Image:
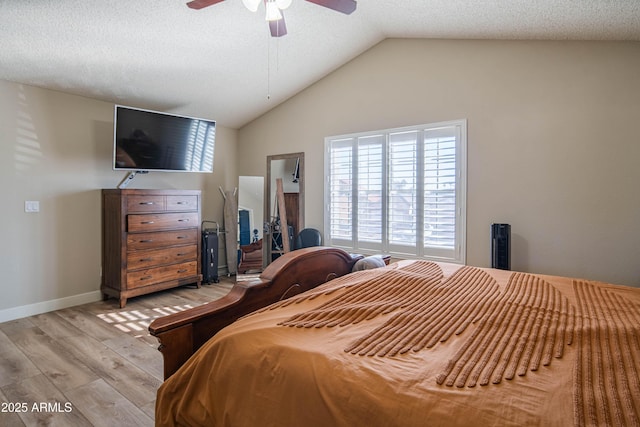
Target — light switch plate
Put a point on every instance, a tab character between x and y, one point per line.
31	206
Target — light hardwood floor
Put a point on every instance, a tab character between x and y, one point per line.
89	365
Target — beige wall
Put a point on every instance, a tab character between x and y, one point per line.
553	145
56	148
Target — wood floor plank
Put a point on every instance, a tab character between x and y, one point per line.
138	353
46	404
102	405
179	300
211	292
15	326
150	340
86	319
132	321
55	326
15	365
64	370
150	409
135	384
182	296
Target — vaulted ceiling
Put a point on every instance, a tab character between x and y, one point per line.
221	63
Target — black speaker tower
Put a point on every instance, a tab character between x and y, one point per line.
501	246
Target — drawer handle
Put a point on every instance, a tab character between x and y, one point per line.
181	237
181	203
146	278
147	222
146	241
146	203
182	254
183	220
145	259
184	270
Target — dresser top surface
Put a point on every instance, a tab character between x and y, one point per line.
138	191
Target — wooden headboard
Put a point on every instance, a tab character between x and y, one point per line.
181	334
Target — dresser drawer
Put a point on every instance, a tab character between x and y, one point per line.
182	203
154	257
156	222
145	203
150	276
161	239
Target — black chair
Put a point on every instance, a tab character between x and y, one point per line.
307	238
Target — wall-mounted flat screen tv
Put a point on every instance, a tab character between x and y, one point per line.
147	140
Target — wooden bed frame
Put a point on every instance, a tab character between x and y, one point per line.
181	334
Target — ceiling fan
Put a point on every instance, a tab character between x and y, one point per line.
274	9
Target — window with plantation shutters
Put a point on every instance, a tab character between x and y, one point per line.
398	191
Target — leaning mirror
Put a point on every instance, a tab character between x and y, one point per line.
289	168
250	224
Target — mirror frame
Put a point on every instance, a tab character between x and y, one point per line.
269	203
247	183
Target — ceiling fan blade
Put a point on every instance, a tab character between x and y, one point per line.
278	28
199	4
343	6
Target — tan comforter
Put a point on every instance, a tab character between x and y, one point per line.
420	343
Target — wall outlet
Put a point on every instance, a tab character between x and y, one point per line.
31	206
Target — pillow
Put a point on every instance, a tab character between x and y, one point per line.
368	263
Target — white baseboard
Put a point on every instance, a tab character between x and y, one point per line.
46	306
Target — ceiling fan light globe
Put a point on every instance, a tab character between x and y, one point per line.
273	12
252	5
283	4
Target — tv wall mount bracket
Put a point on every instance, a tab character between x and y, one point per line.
127	180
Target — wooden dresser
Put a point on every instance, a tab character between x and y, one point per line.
150	241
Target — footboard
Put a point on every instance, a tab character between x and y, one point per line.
181	334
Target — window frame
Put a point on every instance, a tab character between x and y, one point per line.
420	250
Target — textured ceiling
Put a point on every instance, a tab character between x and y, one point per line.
220	62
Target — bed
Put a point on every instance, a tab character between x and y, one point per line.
411	344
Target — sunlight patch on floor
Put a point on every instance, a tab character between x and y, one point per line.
136	322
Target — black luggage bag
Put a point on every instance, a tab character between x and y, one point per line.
210	253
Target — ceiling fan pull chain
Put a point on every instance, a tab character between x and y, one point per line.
268	68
